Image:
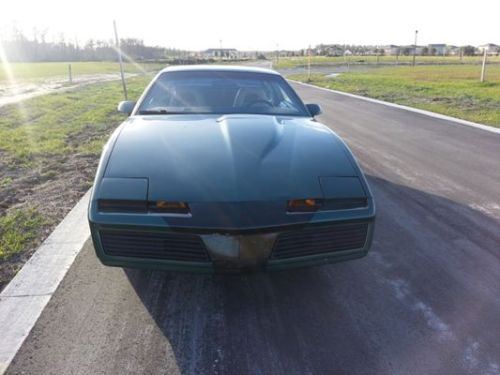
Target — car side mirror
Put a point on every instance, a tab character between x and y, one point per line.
126	107
314	109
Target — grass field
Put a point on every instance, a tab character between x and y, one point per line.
49	148
34	71
291	62
44	125
452	90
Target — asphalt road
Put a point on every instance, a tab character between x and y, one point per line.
425	301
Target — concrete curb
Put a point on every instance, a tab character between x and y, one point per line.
24	298
406	108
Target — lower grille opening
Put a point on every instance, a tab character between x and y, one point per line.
320	240
168	246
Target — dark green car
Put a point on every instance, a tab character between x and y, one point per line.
224	168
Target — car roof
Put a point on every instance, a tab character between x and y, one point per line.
218	68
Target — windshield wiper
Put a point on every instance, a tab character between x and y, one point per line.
157	112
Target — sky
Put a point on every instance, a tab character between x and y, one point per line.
258	24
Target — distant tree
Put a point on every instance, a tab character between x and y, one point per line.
406	51
425	51
433	51
469	50
20	48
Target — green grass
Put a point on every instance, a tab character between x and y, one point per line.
4	182
53	124
452	90
291	62
17	229
33	71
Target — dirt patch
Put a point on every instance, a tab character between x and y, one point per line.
51	187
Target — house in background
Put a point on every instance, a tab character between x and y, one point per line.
453	50
392	50
221	53
439	49
490	48
328	50
411	50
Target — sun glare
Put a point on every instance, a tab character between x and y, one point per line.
14	87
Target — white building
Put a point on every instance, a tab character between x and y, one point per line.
224	53
392	50
491	49
439	49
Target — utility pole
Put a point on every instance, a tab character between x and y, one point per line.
415	48
120	60
483	68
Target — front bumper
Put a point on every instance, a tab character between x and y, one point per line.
199	250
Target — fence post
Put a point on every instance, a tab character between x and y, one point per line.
483	68
70	74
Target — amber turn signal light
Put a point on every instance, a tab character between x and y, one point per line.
169	206
304	205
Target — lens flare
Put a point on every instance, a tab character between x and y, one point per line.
13	87
129	59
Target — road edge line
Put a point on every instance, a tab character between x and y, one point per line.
26	295
406	108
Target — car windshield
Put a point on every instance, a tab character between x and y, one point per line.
221	92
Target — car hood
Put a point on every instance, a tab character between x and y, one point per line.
229	158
